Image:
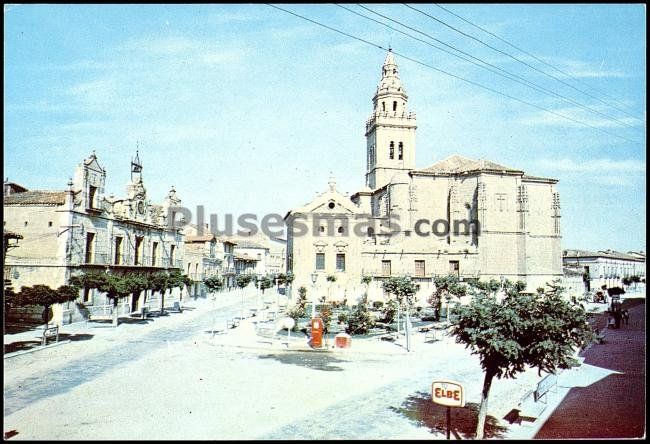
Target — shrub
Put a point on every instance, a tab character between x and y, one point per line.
360	320
377	305
389	312
343	318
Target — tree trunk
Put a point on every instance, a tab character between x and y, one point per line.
162	301
407	330
482	413
115	312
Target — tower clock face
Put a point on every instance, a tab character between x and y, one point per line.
141	207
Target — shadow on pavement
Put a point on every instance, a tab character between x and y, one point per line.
317	361
28	345
424	412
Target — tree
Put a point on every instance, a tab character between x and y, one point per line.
449	286
360	320
180	280
522	330
242	280
160	282
137	283
265	282
46	297
404	290
213	283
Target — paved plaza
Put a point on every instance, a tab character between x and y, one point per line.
174	379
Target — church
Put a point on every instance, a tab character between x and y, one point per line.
477	219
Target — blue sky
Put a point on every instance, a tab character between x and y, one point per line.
247	109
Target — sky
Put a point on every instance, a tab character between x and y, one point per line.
245	108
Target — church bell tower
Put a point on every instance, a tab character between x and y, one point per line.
390	130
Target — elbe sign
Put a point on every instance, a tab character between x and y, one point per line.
448	393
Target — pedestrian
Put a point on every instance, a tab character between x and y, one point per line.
626	317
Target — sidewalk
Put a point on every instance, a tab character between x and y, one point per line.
614	406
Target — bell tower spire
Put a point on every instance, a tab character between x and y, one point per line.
390	130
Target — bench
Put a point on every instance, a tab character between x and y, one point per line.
529	409
52	332
177	307
430	336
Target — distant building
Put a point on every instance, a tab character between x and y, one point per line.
251	257
606	267
207	255
82	229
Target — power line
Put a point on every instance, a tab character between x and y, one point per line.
511	56
541	61
508	75
450	74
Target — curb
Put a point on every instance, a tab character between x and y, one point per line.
31	350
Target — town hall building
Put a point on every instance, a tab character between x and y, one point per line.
474	218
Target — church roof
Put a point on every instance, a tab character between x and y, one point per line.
36	197
457	164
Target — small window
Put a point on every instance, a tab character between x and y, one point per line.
331	205
341	230
385	268
49	224
340	262
25	223
321	229
320	261
400	152
392	150
371	232
395	105
383	106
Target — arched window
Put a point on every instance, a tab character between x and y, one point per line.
383	106
392	150
395	105
340	230
400	151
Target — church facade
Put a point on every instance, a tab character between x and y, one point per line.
473	218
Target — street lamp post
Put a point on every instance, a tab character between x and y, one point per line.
314	278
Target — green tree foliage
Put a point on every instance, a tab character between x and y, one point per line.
265	282
389	311
522	330
45	296
366	280
360	320
242	280
214	283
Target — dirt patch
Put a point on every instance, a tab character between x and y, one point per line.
420	409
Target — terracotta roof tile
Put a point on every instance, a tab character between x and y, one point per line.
36	197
